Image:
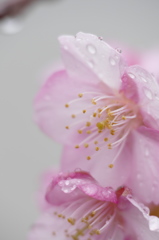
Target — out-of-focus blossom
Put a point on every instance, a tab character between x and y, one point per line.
81	209
103	110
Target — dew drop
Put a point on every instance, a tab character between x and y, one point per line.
91	49
91	63
119	50
112	61
143	79
10	26
67	186
131	75
148	93
89	189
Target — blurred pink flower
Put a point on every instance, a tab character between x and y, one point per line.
106	110
81	209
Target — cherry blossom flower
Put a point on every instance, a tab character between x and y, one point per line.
81	209
106	113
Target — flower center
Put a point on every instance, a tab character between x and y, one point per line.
91	218
107	122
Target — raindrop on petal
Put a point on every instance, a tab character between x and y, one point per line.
91	49
112	61
67	186
131	75
148	93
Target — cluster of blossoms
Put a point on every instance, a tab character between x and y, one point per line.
105	112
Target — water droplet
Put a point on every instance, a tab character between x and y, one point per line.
91	49
91	63
112	61
148	93
89	189
131	75
119	50
67	186
10	26
143	79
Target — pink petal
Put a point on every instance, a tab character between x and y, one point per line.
90	59
144	176
145	91
72	186
139	222
51	114
150	61
99	163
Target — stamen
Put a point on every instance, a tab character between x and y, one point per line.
67	127
84	111
80	95
88	158
80	131
66	105
86	145
73	116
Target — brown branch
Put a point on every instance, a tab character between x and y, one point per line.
13	7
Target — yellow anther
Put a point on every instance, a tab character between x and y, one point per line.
86	145
97	148
77	146
71	221
99	131
99	110
80	131
95	142
67	127
123	117
109	146
112	132
89	226
84	111
111	166
93	102
73	115
59	215
88	157
88	132
97	232
80	95
99	115
92	214
94	114
105	139
88	124
66	105
100	125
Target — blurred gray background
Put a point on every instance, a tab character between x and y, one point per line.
25	58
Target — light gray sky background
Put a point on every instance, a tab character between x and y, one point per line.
25	58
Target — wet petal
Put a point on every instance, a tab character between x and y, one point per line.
145	164
145	91
139	221
71	186
63	106
89	58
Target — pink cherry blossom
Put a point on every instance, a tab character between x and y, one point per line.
81	209
106	114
